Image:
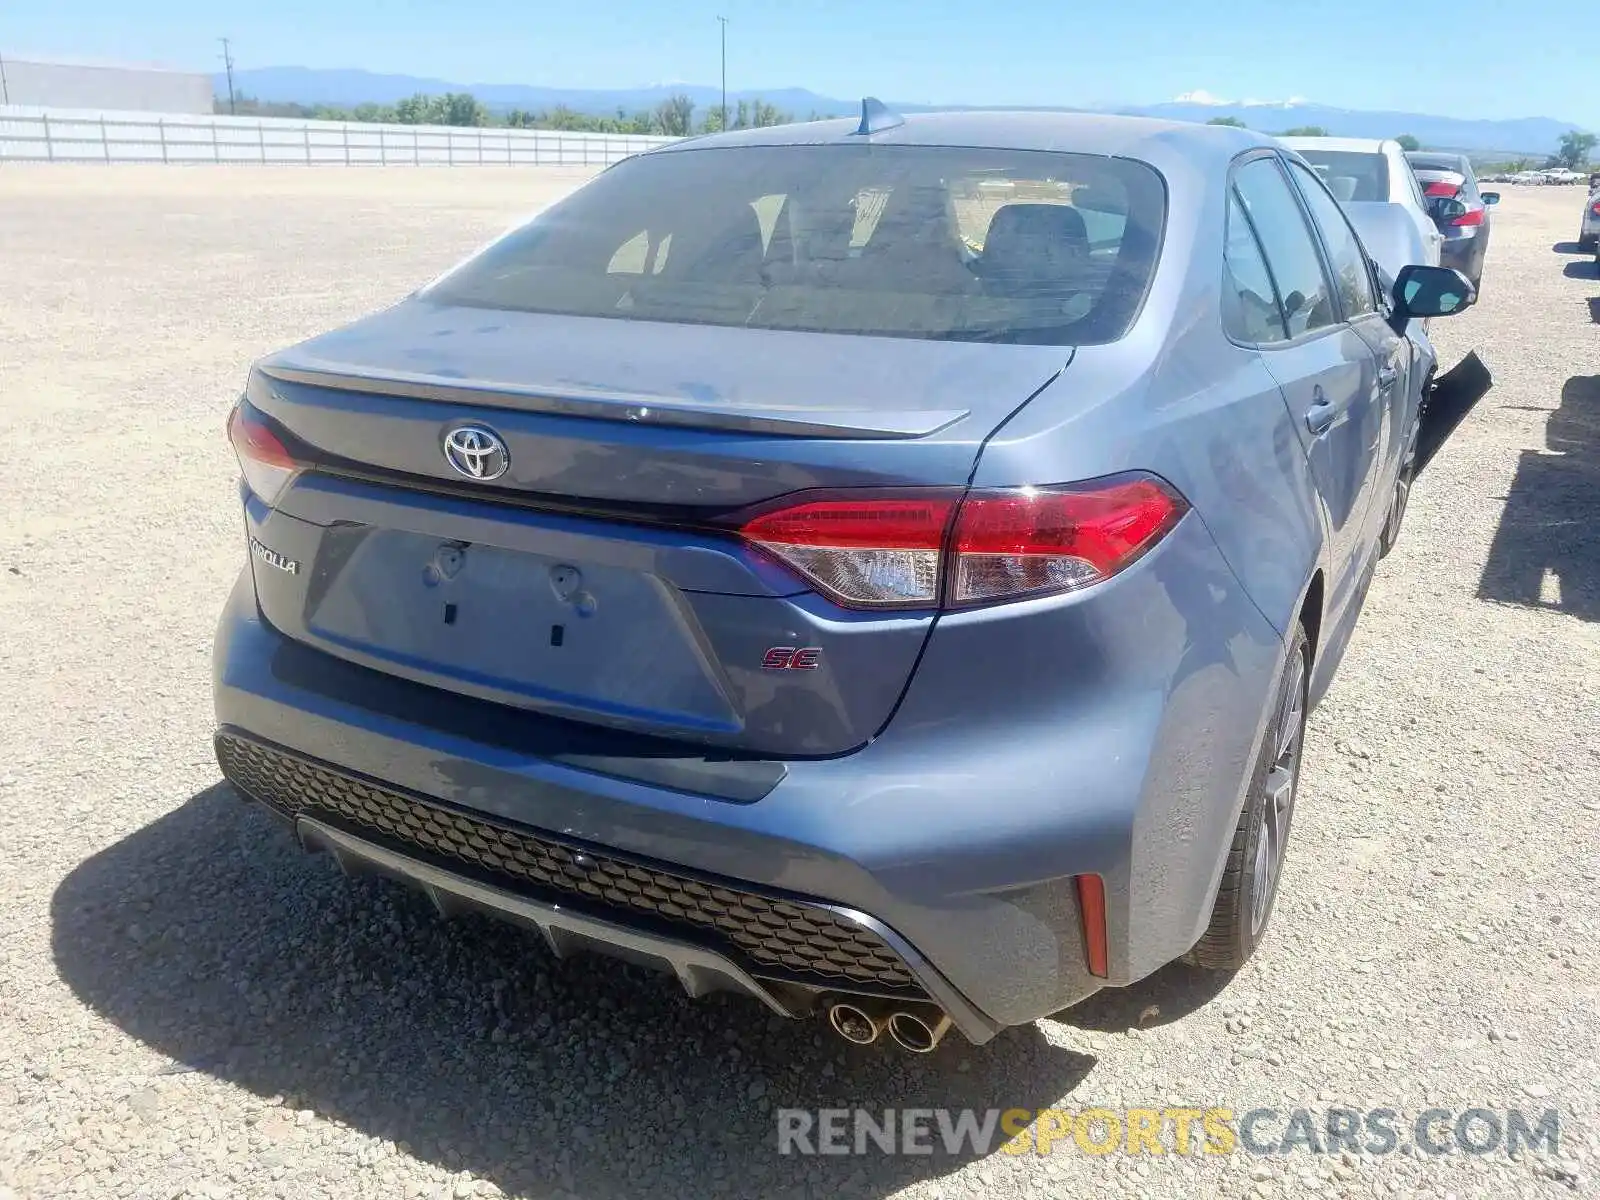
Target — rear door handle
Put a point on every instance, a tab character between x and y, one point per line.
1321	416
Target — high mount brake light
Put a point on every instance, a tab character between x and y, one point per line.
918	549
265	462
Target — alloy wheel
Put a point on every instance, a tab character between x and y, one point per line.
1277	808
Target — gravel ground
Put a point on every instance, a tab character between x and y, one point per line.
191	1007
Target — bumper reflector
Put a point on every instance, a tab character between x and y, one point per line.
1092	908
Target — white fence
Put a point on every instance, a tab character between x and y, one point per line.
77	135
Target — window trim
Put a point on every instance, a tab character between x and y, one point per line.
1343	322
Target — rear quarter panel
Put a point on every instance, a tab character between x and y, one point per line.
1176	397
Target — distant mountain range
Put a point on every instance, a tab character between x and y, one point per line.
347	88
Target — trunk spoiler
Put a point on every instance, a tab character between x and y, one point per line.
638	409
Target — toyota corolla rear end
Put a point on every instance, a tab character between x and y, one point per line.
641	580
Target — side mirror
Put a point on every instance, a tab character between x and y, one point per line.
1444	209
1491	197
1421	291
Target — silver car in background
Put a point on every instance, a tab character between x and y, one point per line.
1589	229
1363	172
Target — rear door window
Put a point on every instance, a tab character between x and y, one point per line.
1414	188
1351	274
1250	307
1292	256
951	243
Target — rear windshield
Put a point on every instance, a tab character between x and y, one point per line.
1351	174
1437	162
899	241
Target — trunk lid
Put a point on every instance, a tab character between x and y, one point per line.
584	581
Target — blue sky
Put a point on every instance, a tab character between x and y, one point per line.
1469	58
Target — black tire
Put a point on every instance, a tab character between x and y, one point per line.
1397	509
1586	241
1251	876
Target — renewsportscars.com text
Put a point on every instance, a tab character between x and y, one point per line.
1180	1131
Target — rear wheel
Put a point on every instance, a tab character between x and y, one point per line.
1255	859
1397	510
1586	241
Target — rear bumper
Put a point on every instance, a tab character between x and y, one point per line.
1465	254
699	970
1118	743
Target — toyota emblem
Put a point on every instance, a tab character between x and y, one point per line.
476	452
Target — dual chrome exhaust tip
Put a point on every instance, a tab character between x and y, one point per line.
915	1030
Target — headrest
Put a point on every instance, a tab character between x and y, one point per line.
1040	244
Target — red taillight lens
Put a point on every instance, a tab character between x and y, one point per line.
901	550
265	462
1441	189
1016	543
1595	208
868	553
1473	216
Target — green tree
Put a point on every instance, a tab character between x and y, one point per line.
413	110
461	108
1234	122
1407	142
1574	150
562	117
675	116
764	115
1305	131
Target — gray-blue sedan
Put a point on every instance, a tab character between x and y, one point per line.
883	567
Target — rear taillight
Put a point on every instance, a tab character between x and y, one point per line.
863	553
916	549
265	462
1595	208
1034	540
1441	189
1473	216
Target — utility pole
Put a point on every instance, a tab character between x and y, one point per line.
723	21
227	60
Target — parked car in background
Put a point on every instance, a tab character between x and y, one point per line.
1589	227
1527	179
1563	175
1367	171
794	561
1459	209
